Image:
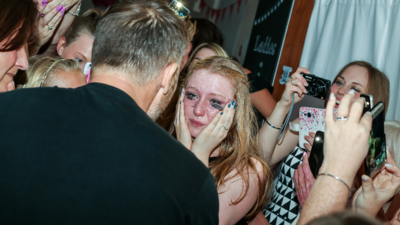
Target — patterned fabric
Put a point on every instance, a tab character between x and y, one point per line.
284	207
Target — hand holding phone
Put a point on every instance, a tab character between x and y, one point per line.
376	157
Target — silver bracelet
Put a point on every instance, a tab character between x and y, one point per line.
278	128
77	11
337	178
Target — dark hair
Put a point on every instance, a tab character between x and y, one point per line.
83	24
19	18
378	84
345	218
140	38
206	32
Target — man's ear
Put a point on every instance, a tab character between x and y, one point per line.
61	46
168	76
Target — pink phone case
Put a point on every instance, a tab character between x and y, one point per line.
311	120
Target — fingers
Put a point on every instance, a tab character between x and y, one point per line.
179	108
393	169
309	140
367	185
366	121
389	158
312	134
59	4
302	70
344	107
329	116
300	81
356	110
11	86
52	17
230	114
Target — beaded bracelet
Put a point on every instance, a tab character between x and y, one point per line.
278	128
337	178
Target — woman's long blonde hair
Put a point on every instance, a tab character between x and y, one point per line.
166	119
43	69
240	147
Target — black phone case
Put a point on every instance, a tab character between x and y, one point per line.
317	153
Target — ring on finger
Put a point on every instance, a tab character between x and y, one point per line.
50	28
292	82
339	118
225	128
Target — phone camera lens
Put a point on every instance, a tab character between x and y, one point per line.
309	115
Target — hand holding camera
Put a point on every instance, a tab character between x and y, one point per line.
295	84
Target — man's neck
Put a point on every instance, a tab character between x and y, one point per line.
143	96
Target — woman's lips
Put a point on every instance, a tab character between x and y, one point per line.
195	123
11	74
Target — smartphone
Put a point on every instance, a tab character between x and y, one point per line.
317	153
179	8
311	120
376	157
369	102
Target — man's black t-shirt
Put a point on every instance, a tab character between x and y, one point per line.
91	156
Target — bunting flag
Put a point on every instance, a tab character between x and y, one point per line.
202	5
238	7
231	9
208	11
215	13
223	13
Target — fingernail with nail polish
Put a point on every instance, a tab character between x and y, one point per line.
59	7
222	113
63	10
364	178
44	2
388	165
332	96
304	153
42	15
229	105
351	91
234	107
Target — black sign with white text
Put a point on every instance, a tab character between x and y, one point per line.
266	40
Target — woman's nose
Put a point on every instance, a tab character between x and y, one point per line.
22	60
200	108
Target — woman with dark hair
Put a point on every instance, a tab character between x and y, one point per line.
18	19
356	77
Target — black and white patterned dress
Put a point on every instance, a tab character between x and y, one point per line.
284	206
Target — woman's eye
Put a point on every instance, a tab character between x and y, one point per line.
191	96
216	104
339	82
355	89
79	60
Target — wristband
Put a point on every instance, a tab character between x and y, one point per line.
337	178
278	128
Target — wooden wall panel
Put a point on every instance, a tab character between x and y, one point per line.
294	41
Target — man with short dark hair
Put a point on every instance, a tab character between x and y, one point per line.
92	155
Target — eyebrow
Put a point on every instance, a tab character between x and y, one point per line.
82	55
352	82
215	94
